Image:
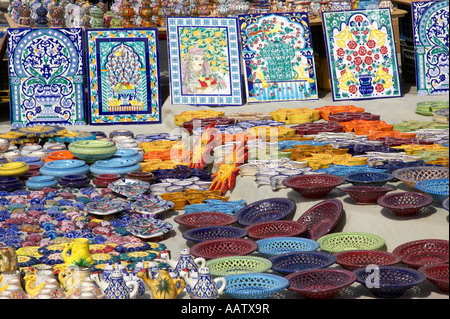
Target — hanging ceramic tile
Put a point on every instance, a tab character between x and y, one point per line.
278	56
123	76
361	54
46	76
204	61
430	25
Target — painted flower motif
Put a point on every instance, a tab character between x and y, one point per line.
353	89
340	52
349	58
376	56
359	18
379	87
352	45
371	44
383	50
368	60
358	61
362	50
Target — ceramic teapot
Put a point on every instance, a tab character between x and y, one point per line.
204	286
72	278
13	291
164	286
186	261
117	287
88	290
37	279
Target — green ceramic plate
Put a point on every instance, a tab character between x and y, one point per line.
337	242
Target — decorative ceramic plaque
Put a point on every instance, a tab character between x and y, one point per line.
204	61
46	76
431	46
278	57
361	54
123	76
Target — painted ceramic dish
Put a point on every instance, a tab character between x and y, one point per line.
41	181
152	205
92	150
120	166
106	207
149	227
64	167
129	187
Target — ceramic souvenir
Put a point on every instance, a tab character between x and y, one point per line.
164	286
59	168
106	207
37	280
120	166
79	253
204	286
116	287
72	278
8	259
185	261
8	276
40	182
148	227
151	206
92	150
129	187
13	290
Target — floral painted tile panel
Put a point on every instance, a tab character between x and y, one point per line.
204	61
46	76
361	54
278	57
123	76
431	46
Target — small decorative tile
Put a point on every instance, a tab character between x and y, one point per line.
204	61
46	76
123	76
361	54
431	46
278	57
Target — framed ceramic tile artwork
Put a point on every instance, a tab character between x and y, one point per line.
204	61
46	76
361	53
123	76
431	46
278	57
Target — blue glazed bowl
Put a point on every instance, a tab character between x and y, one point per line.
389	281
74	181
254	285
368	178
436	188
40	182
297	261
129	154
214	232
266	210
61	168
10	184
283	245
120	166
30	160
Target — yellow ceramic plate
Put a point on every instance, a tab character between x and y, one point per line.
29	251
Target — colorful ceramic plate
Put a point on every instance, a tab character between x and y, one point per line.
27	261
52	259
131	247
51	249
152	205
129	187
101	248
135	256
29	251
149	227
102	258
106	207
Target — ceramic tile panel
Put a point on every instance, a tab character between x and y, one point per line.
46	76
123	76
204	61
361	53
278	57
431	46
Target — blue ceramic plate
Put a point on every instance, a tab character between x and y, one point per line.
62	164
106	207
148	227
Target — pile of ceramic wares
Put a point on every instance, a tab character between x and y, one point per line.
86	215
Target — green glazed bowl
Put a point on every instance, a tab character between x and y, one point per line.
233	265
343	241
93	150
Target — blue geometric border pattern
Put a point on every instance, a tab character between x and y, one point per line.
234	97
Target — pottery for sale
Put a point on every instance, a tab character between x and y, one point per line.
40	182
93	150
204	286
106	207
61	168
13	169
74	181
129	187
151	205
79	253
185	261
120	166
149	227
103	180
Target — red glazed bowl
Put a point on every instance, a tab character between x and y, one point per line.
315	185
320	283
354	259
423	252
366	194
205	219
224	247
279	228
437	274
103	180
405	203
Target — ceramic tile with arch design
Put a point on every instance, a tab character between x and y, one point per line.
278	57
46	76
204	61
361	53
123	76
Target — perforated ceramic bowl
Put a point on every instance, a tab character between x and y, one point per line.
282	245
354	259
437	274
342	241
214	232
366	194
254	285
205	219
297	261
266	210
224	247
278	228
320	283
411	175
405	203
436	188
423	252
321	218
314	186
232	265
392	281
368	178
